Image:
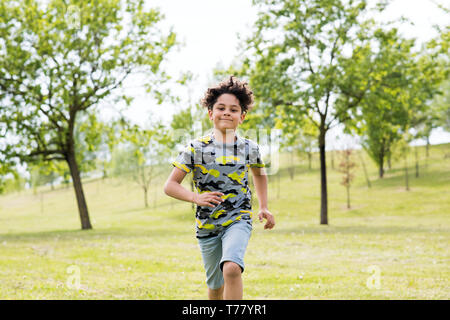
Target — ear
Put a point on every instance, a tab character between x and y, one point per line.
242	117
210	114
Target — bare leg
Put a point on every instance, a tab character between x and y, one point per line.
233	289
215	294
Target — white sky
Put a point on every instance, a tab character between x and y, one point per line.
209	28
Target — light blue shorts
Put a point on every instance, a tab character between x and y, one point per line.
229	245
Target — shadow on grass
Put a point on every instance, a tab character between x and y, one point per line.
93	234
372	230
153	234
427	178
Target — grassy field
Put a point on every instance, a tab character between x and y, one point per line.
138	253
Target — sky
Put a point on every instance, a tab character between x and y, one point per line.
209	32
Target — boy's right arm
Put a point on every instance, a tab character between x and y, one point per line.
173	188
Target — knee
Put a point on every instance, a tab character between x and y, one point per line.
231	270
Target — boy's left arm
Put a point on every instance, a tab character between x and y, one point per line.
260	181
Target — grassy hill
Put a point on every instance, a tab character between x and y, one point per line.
151	253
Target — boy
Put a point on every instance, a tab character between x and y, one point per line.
220	163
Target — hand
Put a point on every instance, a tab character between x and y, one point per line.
264	213
208	198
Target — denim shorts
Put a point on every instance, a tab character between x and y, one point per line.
229	245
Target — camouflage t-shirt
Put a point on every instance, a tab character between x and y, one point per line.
222	167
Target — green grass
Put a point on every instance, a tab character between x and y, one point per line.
138	253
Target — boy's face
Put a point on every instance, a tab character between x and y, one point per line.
226	113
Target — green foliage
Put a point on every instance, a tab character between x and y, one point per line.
186	123
79	63
403	84
13	184
310	59
141	154
10	180
95	140
58	59
3	171
42	173
441	107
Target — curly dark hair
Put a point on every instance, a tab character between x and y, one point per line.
232	86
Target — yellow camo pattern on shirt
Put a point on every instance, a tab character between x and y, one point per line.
220	167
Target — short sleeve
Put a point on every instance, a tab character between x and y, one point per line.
255	158
185	159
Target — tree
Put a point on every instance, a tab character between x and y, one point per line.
381	116
364	169
10	180
145	149
87	135
59	60
307	140
399	100
312	58
42	174
435	68
187	122
427	99
299	138
4	170
346	166
404	149
96	140
442	106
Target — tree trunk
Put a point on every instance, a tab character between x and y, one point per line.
323	179
365	170
291	168
406	174
332	159
381	165
155	198
389	161
417	162
291	171
348	196
309	160
145	197
81	200
42	203
427	149
381	158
